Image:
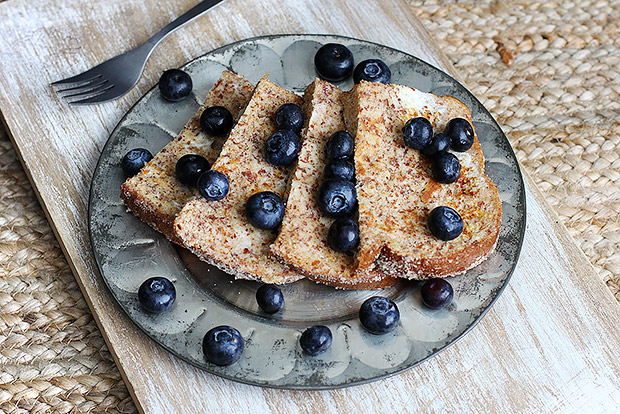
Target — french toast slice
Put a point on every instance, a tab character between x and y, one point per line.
396	191
218	231
155	195
302	242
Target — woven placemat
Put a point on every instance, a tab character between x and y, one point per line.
548	72
52	356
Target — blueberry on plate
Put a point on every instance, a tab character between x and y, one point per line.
342	168
372	70
316	339
437	293
343	235
417	133
461	134
337	197
445	223
134	160
334	62
439	144
216	120
379	315
265	210
270	298
446	168
223	345
156	294
213	185
289	116
190	167
175	84
282	147
340	145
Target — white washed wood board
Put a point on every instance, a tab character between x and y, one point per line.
549	344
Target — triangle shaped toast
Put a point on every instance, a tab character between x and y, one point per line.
155	195
302	242
396	191
218	231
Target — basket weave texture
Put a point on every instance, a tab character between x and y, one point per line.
549	72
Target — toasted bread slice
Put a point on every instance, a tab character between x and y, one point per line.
218	231
154	194
396	191
302	242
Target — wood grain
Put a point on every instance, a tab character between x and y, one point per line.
546	346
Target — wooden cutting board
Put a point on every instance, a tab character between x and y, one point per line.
549	344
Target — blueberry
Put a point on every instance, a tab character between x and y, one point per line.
316	339
439	144
270	298
265	210
446	168
334	62
223	345
175	85
372	70
340	168
156	294
337	197
437	293
289	116
445	223
379	315
213	185
190	167
216	120
461	134
282	147
417	133
340	145
343	235
134	160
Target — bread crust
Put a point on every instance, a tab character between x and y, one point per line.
302	242
155	195
218	231
396	191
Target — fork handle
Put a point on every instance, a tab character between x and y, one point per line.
195	11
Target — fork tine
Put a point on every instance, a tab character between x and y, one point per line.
90	95
90	89
108	94
89	75
88	85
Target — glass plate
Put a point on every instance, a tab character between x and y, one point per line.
128	251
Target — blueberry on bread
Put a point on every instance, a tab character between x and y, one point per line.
134	160
190	167
216	120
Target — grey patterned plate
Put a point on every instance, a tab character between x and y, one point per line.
128	251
